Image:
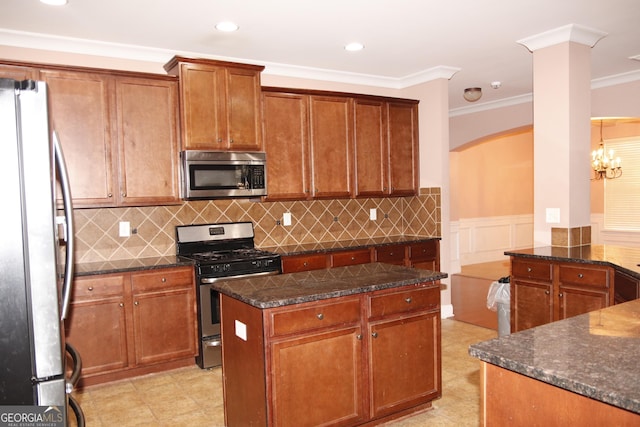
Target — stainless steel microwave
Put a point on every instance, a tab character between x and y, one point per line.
219	174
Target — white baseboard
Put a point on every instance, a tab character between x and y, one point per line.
446	311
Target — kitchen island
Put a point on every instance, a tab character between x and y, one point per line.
579	371
351	345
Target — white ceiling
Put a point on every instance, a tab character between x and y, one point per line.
405	40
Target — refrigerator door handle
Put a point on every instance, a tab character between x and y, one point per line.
68	212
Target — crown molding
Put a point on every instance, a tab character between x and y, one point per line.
568	33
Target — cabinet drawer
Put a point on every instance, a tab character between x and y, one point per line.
340	259
160	279
584	276
405	301
317	316
295	263
532	269
391	254
98	286
421	251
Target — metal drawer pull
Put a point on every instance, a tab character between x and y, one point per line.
359	337
547	292
560	295
320	316
580	276
164	279
374	334
528	269
90	288
408	300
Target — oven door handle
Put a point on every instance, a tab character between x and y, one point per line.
209	280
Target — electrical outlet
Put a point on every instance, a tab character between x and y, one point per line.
125	229
373	214
286	218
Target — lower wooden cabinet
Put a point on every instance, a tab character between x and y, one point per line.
424	255
336	362
543	291
626	287
122	324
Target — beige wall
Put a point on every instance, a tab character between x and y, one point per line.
493	177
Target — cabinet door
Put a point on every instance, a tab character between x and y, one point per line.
317	379
331	146
147	141
80	114
404	368
425	255
403	139
626	287
164	315
354	257
531	304
96	325
286	142
582	288
202	107
371	156
575	301
391	254
244	117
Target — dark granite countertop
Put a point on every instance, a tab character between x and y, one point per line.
295	288
593	354
622	258
126	265
310	248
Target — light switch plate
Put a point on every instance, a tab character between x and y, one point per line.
373	214
125	229
286	218
241	330
553	215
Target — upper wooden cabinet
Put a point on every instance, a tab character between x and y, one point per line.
286	142
331	139
119	135
332	145
403	148
219	104
18	72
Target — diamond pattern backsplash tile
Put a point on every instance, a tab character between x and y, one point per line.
153	228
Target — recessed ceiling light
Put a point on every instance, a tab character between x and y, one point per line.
354	47
54	2
226	26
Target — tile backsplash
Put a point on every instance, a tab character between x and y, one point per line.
153	228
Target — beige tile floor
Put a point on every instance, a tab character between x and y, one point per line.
193	397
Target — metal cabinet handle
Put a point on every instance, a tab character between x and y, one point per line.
547	292
164	279
320	316
110	195
231	141
580	276
528	269
90	288
219	139
121	304
560	295
374	334
305	263
359	337
408	300
136	303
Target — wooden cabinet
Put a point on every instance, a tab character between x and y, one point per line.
332	145
123	324
626	287
404	354
18	72
403	148
340	361
371	148
286	142
331	138
424	255
543	291
119	136
219	104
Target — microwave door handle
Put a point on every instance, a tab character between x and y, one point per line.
68	213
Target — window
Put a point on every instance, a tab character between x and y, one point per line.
622	195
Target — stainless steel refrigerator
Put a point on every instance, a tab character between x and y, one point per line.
35	276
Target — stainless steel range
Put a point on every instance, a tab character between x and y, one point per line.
220	251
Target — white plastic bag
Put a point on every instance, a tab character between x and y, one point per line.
499	293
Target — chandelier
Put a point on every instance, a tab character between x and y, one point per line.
603	163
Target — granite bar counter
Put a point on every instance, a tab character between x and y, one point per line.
286	289
594	355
